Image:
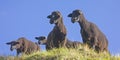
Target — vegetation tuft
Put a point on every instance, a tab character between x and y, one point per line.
81	53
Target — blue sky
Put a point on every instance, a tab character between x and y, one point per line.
27	18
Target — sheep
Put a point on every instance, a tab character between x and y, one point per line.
57	37
22	45
42	40
90	33
73	44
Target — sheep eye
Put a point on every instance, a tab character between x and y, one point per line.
13	44
53	16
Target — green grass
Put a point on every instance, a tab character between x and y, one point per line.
82	53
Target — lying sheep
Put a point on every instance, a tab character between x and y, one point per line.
22	45
69	44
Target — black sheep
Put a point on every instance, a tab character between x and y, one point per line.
57	37
90	33
22	45
69	44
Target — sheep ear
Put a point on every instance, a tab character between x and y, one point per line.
8	43
42	37
49	16
80	12
36	38
70	15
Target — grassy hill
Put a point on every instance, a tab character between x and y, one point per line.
81	53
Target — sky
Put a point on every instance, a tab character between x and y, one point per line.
27	18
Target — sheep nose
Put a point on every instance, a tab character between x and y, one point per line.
51	21
11	49
72	21
39	42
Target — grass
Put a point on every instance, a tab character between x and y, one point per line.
81	53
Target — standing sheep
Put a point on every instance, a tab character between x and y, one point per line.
22	45
90	33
